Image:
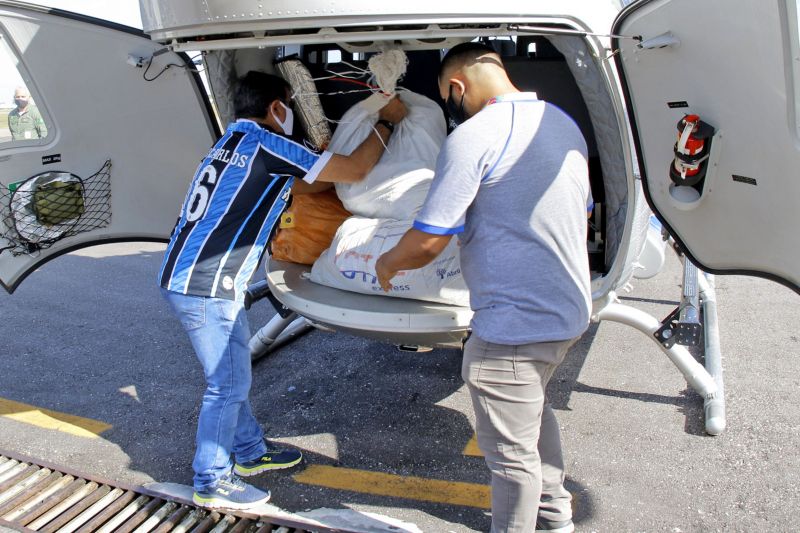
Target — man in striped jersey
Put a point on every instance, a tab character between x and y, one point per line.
235	199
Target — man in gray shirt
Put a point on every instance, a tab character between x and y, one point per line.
512	182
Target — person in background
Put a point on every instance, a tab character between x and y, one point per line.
25	121
512	182
234	201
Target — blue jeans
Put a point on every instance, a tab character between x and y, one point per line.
220	334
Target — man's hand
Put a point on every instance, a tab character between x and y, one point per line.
354	167
394	111
415	250
385	272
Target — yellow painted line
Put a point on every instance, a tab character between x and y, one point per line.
45	418
409	487
471	448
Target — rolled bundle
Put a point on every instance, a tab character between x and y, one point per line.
308	108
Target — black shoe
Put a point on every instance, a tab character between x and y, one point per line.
274	459
548	526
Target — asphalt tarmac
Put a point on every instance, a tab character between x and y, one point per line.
89	335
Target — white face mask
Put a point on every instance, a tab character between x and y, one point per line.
286	125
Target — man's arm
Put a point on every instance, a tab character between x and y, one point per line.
41	128
38	123
415	250
301	187
354	167
454	187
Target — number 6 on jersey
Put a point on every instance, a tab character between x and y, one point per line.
198	200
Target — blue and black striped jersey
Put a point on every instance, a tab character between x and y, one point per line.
236	197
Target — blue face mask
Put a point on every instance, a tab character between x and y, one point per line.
457	113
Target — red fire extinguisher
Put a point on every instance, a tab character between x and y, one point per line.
691	151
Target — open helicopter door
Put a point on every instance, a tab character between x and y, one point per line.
119	150
725	180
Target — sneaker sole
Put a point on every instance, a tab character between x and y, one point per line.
213	503
243	472
564	529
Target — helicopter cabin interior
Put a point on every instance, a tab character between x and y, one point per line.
534	63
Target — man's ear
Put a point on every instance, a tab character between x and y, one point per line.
276	109
458	85
448	87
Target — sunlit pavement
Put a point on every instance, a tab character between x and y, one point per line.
99	376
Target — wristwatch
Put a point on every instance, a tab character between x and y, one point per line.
389	126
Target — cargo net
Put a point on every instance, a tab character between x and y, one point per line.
48	207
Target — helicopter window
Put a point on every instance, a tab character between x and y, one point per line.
22	119
333	56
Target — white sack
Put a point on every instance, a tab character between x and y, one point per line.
349	264
396	187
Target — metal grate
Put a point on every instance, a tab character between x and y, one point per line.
35	497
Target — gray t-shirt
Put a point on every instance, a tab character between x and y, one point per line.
513	182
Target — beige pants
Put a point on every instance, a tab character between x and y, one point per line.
517	432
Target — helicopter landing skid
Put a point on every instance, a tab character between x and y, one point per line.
706	380
276	333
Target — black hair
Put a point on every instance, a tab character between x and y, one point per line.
463	53
256	91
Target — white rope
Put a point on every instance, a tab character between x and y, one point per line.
352	66
347	74
365	90
374	129
381	139
387	68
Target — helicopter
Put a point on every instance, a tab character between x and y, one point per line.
692	131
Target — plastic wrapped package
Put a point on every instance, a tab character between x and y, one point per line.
307	227
309	108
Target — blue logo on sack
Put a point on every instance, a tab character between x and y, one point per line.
444	273
366	277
